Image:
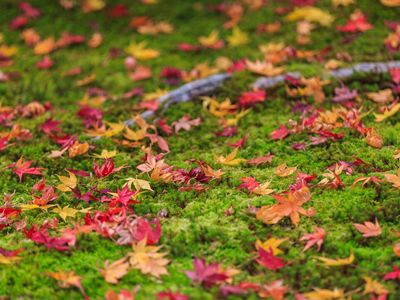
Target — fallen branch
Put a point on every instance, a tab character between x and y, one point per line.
209	85
343	73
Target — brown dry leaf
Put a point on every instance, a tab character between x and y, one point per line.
96	40
67	279
283	170
230	159
148	260
114	271
374	139
369	229
330	262
67	183
45	46
383	96
393	179
86	80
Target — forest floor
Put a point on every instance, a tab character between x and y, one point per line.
93	76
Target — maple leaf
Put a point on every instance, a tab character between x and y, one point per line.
337	262
394	275
280	133
393	179
369	229
106	168
105	154
261	159
391	3
9	257
337	3
382	96
315	238
207	275
287	206
66	211
230	159
324	294
276	290
311	14
283	170
250	99
263	68
147	259
255	187
358	22
67	279
237	38
139	184
185	123
22	167
211	41
374	287
45	46
269	260
388	112
168	295
67	183
114	271
271	244
210	172
140	52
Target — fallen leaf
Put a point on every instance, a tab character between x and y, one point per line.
369	229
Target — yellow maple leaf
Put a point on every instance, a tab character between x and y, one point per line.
391	3
67	183
324	294
210	40
230	159
67	211
139	184
86	80
26	207
105	154
114	129
330	262
238	38
270	244
387	113
139	51
311	14
9	260
8	51
374	287
134	135
147	259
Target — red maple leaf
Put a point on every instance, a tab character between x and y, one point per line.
280	133
261	159
22	167
269	260
250	99
395	274
40	235
207	275
106	168
358	22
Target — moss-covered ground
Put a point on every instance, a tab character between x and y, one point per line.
196	224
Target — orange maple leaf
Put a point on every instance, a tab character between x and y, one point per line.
290	206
